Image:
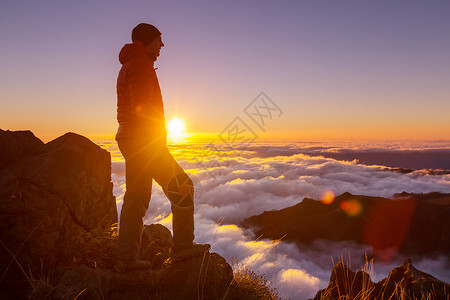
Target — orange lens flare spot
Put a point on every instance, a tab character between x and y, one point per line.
327	197
352	207
387	227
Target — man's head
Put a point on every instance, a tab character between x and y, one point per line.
150	36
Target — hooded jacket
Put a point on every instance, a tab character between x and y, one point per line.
140	110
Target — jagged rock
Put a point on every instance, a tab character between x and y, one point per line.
415	283
344	281
412	224
51	193
403	282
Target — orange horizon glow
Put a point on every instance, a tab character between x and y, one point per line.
47	137
49	133
379	86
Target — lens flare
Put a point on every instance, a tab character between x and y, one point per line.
352	207
387	227
327	197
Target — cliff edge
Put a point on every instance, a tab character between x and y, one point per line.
58	230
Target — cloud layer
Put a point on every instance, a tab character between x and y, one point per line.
234	185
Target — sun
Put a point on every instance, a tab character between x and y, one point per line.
176	129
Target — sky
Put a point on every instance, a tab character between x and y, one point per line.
236	185
335	69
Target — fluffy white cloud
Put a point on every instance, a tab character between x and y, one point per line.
232	186
293	282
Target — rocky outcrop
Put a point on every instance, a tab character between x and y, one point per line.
403	282
51	194
206	277
410	223
58	230
197	278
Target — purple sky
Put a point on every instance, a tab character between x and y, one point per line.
337	69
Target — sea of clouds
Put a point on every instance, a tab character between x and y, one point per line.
234	184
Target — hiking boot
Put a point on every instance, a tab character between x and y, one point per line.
132	265
193	251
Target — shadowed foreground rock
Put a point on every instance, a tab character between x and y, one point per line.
403	282
58	235
205	277
51	194
198	278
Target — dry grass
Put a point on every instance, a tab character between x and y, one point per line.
42	283
249	285
97	248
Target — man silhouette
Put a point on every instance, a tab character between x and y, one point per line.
141	138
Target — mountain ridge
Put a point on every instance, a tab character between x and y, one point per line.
408	223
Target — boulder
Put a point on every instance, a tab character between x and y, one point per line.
204	277
51	194
156	243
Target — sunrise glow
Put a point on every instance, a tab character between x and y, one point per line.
176	129
297	139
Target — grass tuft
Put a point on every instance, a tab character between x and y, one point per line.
97	248
249	285
42	283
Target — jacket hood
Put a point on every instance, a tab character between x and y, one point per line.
133	51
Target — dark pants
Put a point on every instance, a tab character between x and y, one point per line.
145	161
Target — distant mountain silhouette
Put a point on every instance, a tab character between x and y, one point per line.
409	223
404	159
408	159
